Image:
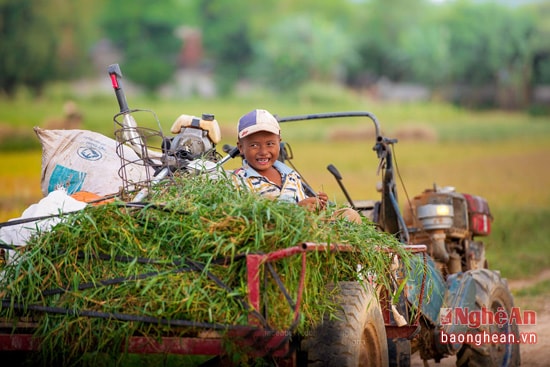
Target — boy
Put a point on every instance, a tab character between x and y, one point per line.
259	139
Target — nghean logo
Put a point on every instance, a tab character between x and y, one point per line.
476	318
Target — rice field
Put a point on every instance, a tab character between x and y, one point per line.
502	156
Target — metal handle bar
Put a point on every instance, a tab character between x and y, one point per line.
316	116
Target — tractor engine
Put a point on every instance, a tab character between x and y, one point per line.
447	222
196	138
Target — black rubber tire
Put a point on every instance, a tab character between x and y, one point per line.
492	292
356	337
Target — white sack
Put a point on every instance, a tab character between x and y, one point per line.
55	203
82	160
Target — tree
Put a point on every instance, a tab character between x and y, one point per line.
145	32
379	37
491	52
226	34
26	45
487	40
301	48
41	41
426	54
539	43
237	34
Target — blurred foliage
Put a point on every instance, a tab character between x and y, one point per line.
302	48
488	42
227	38
283	44
145	31
26	37
379	35
43	41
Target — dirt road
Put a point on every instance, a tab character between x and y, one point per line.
532	355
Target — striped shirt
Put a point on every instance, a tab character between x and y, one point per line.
292	189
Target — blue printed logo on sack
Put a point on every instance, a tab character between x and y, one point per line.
89	153
68	178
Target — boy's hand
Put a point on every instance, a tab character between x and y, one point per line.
322	199
315	203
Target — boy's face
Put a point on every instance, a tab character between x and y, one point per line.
260	149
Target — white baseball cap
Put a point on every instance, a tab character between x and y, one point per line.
258	120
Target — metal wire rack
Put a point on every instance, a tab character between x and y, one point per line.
140	152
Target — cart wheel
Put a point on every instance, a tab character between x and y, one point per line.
356	337
492	292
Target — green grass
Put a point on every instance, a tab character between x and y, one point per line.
519	243
500	155
104	360
536	290
199	220
534	297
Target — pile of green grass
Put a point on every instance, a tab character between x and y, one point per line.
174	266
